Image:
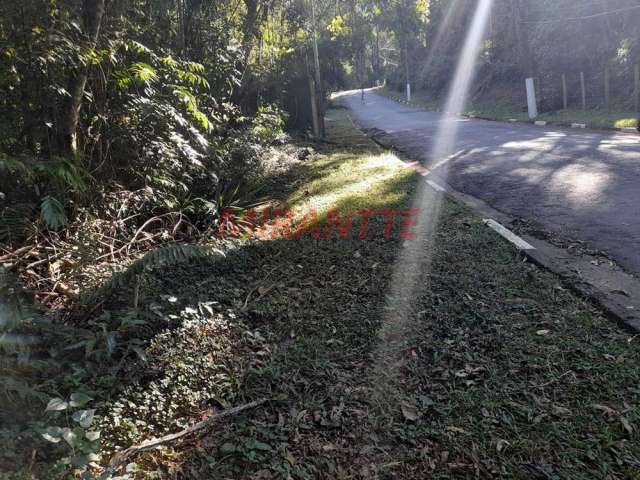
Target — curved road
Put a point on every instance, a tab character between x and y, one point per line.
579	184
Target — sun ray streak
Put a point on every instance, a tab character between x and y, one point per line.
414	261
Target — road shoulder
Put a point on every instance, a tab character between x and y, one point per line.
599	279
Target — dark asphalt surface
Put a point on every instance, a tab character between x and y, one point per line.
578	184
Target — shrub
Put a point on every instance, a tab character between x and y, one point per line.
268	124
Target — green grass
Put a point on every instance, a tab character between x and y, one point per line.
494	369
504	111
593	118
498	370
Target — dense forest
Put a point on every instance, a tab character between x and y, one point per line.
526	38
136	134
80	80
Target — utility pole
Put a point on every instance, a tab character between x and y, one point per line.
316	61
377	55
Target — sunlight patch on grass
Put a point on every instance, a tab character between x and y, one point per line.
626	122
504	371
356	182
592	118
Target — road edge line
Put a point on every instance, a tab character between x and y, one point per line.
519	242
435	186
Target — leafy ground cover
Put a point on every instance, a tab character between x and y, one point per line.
488	368
505	111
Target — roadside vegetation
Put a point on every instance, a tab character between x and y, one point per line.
178	260
507	111
574	51
498	371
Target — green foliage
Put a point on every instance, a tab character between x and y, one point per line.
52	213
163	257
64	174
14	223
236	207
163	123
196	208
522	40
82	442
268	124
61	176
237	196
197	363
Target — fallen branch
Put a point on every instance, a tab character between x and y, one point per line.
43	260
15	253
119	459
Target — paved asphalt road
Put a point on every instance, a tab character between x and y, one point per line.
579	184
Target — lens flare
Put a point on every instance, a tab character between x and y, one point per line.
415	258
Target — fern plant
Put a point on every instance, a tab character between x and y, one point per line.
14	223
62	173
164	257
52	213
56	175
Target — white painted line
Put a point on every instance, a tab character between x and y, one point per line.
435	186
513	120
540	123
446	160
508	234
578	125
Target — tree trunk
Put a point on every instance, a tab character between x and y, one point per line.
316	67
92	13
249	30
249	26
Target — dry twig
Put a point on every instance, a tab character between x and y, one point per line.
121	458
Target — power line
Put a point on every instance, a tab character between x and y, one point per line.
587	17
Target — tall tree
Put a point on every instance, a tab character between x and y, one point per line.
92	15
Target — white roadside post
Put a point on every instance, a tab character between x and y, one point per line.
531	99
408	92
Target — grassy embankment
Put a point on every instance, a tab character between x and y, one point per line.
501	370
504	112
497	371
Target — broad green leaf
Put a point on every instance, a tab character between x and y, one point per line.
52	434
92	436
69	436
79	461
56	405
257	445
79	400
143	72
84	417
227	448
